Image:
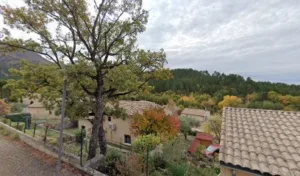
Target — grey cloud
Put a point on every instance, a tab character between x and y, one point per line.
248	37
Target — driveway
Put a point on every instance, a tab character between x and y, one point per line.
19	159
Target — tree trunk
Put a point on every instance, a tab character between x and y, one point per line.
98	121
102	140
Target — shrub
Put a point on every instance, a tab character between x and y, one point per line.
6	133
6	121
16	107
52	141
16	136
158	161
131	165
192	133
112	157
21	127
177	169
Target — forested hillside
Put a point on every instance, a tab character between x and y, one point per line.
12	60
186	81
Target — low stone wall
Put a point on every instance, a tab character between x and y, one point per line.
51	150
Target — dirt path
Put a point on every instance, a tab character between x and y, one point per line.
18	159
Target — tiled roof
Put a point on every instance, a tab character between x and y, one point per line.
132	107
264	141
197	112
203	136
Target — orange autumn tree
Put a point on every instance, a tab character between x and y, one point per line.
4	108
155	121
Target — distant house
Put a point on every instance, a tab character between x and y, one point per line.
197	114
201	139
260	142
118	129
38	110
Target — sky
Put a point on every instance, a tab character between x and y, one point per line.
259	39
254	38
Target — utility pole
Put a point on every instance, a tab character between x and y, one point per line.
63	107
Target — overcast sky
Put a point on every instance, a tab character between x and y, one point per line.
255	38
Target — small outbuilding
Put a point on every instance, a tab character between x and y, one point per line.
201	139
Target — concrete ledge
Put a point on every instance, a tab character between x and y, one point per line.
51	150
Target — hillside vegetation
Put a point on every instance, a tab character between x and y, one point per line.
186	81
12	60
200	89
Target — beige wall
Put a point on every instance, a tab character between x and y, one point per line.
228	172
40	113
114	136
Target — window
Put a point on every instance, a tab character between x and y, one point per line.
127	139
109	119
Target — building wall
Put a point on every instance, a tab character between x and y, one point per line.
228	172
122	128
200	118
40	113
113	136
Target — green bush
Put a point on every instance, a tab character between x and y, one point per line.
177	169
6	121
16	107
112	157
159	161
192	133
6	133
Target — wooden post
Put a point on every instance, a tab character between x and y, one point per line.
81	144
24	128
46	131
34	128
17	125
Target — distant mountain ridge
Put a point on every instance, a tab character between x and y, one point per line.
12	60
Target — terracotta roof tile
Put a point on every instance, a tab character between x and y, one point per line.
261	140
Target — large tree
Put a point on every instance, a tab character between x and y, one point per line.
97	38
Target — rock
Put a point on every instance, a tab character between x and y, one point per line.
96	162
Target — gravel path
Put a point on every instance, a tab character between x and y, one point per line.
18	159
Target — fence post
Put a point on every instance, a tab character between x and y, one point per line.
81	144
34	128
24	128
18	126
46	131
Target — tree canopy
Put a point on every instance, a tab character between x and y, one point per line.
155	121
94	45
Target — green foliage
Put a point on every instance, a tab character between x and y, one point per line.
112	157
146	142
78	136
217	84
177	169
16	107
185	126
6	121
158	161
213	126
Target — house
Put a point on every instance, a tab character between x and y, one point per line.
201	139
259	142
118	129
197	114
38	110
